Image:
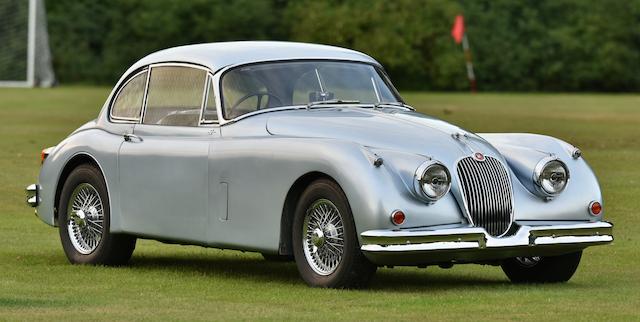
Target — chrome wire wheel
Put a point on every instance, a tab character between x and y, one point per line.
528	261
323	237
85	214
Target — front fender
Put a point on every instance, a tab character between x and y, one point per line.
373	192
94	143
523	151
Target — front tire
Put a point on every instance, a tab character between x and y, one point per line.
551	269
325	244
84	221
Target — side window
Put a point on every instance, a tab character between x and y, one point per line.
129	101
175	96
210	113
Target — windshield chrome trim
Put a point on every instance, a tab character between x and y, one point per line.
221	72
305	107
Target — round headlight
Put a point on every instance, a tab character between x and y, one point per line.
432	180
551	176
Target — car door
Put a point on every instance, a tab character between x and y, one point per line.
163	164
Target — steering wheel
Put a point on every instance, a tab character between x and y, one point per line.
259	95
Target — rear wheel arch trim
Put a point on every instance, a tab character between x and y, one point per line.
77	159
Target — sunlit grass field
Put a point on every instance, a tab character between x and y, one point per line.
195	283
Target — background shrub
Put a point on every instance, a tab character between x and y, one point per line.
547	45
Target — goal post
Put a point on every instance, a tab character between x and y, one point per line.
25	57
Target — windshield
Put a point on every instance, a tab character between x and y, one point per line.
262	86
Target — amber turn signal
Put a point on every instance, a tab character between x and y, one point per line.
43	155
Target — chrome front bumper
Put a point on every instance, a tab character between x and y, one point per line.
472	244
33	195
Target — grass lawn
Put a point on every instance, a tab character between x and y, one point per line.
194	283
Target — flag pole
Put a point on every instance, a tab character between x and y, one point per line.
467	57
460	36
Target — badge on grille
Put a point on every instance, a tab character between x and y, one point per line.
478	156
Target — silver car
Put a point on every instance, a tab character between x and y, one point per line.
307	152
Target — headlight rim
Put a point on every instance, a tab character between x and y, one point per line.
419	174
537	172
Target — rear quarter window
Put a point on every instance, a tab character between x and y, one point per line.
128	103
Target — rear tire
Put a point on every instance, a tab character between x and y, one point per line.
552	269
84	221
325	243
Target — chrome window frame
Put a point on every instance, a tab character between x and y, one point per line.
210	77
118	119
209	84
221	72
204	92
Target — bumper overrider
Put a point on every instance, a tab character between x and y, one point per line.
33	195
473	244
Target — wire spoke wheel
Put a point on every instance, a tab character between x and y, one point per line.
85	214
323	237
528	261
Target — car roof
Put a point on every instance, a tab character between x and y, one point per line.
219	55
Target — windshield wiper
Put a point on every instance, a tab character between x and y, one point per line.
332	102
394	104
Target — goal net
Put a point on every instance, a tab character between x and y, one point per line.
25	58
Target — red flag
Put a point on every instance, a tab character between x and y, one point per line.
457	32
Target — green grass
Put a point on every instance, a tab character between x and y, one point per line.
194	283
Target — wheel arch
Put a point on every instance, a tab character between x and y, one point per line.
73	162
288	210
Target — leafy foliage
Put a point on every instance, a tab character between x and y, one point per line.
13	47
549	45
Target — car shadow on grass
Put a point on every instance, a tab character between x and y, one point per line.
247	268
256	269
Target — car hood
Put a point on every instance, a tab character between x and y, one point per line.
388	128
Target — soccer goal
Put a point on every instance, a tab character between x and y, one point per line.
25	57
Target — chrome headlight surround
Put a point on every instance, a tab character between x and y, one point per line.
544	176
432	181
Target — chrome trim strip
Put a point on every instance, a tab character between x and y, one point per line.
210	82
205	94
421	247
178	64
572	240
143	110
479	239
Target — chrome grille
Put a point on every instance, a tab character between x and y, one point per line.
486	189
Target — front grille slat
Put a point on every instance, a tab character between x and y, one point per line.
496	194
486	189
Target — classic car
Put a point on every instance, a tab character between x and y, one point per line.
307	152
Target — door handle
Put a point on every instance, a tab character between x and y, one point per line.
132	138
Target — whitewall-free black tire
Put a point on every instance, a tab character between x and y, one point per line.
84	219
325	243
